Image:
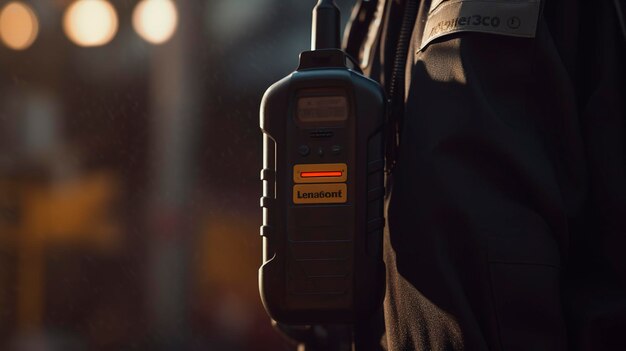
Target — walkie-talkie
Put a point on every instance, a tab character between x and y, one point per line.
323	174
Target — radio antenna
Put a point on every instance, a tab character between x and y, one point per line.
325	29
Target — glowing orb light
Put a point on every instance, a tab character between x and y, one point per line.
90	22
18	25
155	20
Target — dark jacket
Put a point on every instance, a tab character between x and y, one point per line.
506	220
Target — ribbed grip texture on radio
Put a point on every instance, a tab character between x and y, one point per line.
375	195
268	177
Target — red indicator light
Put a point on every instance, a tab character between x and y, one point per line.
321	174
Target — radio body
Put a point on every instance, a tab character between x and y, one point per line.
323	191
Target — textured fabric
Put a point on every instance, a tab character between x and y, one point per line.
509	195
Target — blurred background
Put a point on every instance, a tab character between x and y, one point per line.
129	164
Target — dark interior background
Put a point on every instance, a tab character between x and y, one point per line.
129	178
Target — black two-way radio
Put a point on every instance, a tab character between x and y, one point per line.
323	186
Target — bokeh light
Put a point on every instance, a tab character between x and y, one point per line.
90	22
155	20
18	25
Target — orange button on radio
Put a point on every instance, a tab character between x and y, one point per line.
320	173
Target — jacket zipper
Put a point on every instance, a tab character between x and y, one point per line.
396	87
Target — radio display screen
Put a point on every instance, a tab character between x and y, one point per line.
322	108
